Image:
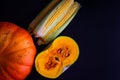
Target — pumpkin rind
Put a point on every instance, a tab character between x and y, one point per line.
62	53
17	52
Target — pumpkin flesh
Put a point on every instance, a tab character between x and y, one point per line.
17	52
62	53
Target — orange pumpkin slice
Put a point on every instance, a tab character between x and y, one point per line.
62	53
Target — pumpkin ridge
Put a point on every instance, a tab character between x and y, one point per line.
17	71
14	35
8	33
11	39
31	45
20	57
20	49
24	64
4	71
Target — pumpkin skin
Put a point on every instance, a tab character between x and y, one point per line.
55	59
17	52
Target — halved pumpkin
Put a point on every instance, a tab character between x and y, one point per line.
62	53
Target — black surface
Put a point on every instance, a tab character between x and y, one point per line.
96	28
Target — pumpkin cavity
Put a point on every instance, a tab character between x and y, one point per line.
64	52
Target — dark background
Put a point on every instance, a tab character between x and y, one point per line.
96	29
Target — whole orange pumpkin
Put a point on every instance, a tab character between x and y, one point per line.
17	52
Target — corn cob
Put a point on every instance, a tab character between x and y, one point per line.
64	22
54	22
42	14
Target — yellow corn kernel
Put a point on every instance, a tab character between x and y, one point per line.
54	17
75	7
42	14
